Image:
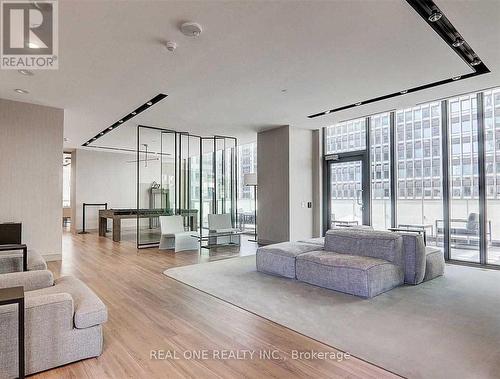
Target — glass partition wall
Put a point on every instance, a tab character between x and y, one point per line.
433	167
182	174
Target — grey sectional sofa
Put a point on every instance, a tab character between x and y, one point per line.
356	261
280	259
63	322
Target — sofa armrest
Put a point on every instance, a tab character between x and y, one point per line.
30	280
89	310
50	312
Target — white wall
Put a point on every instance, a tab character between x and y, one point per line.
102	177
273	183
301	183
31	148
287	178
110	177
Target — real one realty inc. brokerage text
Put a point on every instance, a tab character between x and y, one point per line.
247	354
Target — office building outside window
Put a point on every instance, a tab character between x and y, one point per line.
346	136
418	144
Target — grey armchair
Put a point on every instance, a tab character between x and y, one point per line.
63	322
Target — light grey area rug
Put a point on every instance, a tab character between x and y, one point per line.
446	328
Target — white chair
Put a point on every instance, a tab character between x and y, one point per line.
221	223
173	235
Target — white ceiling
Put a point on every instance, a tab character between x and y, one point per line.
229	80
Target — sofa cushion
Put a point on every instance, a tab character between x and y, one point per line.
89	309
352	274
434	263
368	243
279	258
414	257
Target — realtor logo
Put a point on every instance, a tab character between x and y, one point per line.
29	34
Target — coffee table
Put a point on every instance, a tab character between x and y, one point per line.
206	238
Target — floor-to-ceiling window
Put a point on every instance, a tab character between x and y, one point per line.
491	102
380	159
455	220
463	178
419	179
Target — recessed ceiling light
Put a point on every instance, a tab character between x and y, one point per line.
93	139
191	29
149	103
475	62
101	133
435	16
456	77
21	91
134	113
459	41
328	111
404	91
26	72
358	104
110	128
121	121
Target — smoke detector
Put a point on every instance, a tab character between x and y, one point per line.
191	29
171	45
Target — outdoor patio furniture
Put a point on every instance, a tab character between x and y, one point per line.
466	230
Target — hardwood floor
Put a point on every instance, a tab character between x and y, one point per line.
149	311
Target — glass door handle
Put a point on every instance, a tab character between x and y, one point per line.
358	197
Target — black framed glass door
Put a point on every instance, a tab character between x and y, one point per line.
348	187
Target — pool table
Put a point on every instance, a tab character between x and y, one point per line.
118	214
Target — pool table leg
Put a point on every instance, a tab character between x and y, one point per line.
117	229
103	224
